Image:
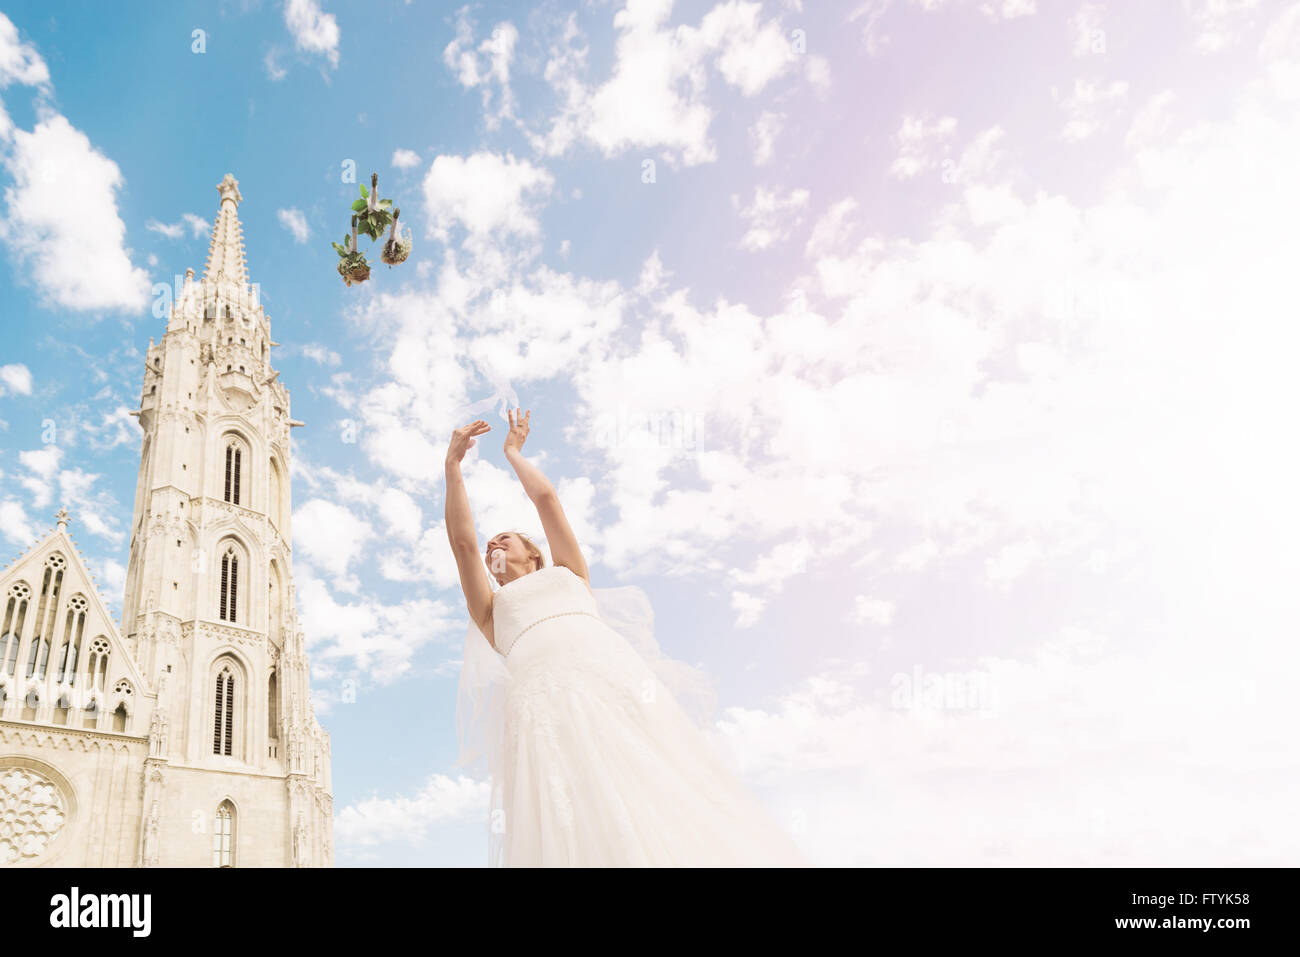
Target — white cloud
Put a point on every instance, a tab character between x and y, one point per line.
871	12
1279	51
329	535
62	224
485	193
15	525
1219	23
486	66
170	230
273	68
1089	107
19	62
43	461
655	95
1125	772
16	378
441	800
294	221
878	611
318	353
750	54
763	135
378	640
748	608
313	30
116	427
198	226
114	576
1008	9
772	217
833	229
918	141
405	159
1089	38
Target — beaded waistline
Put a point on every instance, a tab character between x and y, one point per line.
558	614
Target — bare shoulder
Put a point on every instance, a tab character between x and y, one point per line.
586	580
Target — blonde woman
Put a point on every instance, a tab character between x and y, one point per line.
592	760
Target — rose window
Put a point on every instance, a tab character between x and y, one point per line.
32	812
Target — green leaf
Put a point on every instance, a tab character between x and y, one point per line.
358	206
364	192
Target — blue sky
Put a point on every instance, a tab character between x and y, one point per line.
930	280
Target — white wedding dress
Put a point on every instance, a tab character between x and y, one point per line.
592	760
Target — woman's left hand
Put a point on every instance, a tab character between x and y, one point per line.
518	430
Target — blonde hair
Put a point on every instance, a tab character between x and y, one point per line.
533	550
539	560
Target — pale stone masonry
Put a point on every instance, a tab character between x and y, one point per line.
186	736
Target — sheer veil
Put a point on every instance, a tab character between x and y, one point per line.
480	693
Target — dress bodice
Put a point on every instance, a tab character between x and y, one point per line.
536	597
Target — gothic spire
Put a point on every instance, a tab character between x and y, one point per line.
226	251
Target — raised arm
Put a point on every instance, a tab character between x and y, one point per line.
564	545
460	530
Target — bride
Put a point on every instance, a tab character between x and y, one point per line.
592	760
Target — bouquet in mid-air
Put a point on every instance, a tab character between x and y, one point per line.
371	216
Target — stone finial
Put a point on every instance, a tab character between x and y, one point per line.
229	189
226	249
61	519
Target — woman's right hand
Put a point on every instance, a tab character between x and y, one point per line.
462	440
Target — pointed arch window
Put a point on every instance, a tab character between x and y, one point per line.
11	629
234	462
97	672
73	628
223	724
46	610
223	836
272	716
229	599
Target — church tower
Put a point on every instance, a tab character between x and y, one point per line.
233	767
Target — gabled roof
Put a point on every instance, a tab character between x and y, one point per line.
76	578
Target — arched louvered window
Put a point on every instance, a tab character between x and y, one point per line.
234	460
11	629
229	598
223	836
272	715
74	626
46	610
223	722
97	670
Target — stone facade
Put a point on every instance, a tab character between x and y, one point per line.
185	736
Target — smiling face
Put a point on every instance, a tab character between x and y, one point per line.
510	555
